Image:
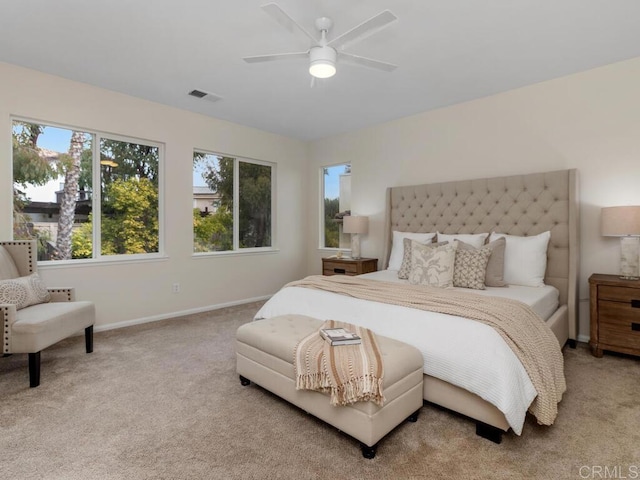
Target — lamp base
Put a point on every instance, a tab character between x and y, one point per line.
355	246
629	261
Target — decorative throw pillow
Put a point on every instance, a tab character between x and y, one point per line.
475	239
432	265
405	267
8	267
525	258
24	291
397	246
494	274
470	267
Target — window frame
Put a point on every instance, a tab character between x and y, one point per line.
236	250
96	195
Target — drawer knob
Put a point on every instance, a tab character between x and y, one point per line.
635	327
635	303
339	270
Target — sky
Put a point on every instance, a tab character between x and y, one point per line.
332	181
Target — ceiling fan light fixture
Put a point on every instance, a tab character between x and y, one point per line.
322	62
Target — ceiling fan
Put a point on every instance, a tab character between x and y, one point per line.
324	53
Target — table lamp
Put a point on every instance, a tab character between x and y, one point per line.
624	222
355	225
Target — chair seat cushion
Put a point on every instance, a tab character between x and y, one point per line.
39	326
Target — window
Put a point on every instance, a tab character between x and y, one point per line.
83	194
233	203
335	203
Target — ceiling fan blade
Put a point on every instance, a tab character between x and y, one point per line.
366	62
280	16
277	56
366	28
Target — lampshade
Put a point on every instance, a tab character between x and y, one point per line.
355	224
620	221
323	62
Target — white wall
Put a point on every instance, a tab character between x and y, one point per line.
589	121
128	292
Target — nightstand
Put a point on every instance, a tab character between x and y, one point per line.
615	314
348	266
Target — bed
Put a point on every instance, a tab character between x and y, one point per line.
478	379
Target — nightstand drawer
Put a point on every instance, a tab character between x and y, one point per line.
339	268
620	294
616	313
620	335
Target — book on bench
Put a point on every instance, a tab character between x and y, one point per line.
339	336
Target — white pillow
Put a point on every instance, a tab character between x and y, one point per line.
474	239
525	259
397	246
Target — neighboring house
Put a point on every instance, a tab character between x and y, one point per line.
205	200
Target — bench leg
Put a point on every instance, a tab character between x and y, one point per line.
34	369
88	338
414	416
367	451
489	432
244	381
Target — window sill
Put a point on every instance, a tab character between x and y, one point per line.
234	253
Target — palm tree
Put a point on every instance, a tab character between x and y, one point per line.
69	197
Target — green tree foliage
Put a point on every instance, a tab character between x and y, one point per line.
29	166
331	226
82	240
213	232
254	203
130	217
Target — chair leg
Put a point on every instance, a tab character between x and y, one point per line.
88	338
34	369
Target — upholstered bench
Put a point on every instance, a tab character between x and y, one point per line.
264	354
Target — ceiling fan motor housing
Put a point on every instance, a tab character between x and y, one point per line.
322	61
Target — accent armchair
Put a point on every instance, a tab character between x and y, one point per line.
34	317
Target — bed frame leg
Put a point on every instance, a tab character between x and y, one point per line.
572	343
414	416
244	381
489	432
367	451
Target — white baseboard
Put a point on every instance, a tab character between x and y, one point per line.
583	338
165	316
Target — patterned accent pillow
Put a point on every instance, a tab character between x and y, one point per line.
470	268
432	265
24	291
495	266
405	268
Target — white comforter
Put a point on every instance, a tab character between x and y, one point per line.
460	351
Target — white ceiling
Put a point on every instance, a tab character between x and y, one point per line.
447	51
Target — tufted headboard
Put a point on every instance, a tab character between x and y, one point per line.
516	205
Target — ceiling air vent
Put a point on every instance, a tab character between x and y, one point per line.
206	95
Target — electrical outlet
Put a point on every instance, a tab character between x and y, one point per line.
175	288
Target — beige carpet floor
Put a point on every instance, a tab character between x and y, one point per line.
163	401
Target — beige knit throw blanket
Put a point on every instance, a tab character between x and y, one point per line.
350	373
522	329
